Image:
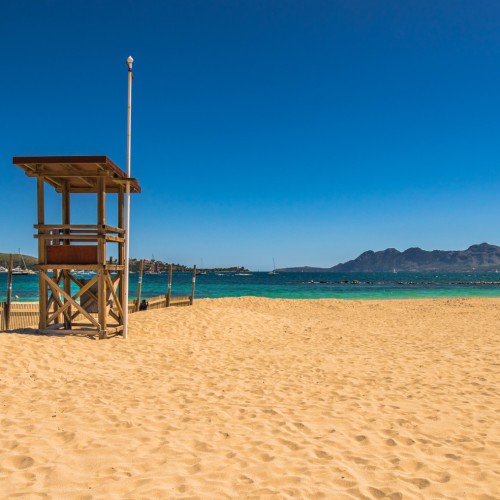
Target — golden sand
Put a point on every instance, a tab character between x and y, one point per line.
259	398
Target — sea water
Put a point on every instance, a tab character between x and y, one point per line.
298	285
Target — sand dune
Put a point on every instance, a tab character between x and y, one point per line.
260	398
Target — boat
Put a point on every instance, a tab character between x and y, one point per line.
22	271
243	274
274	272
154	269
85	274
200	271
3	269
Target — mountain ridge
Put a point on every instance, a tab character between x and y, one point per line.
478	257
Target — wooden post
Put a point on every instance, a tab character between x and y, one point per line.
42	285
55	276
191	299
121	247
66	219
139	285
101	255
169	286
9	293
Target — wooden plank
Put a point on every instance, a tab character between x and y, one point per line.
73	301
42	287
40	200
66	305
66	220
58	311
112	286
92	296
51	298
101	301
71	237
65	226
80	227
81	331
101	222
81	267
72	254
47	172
157	302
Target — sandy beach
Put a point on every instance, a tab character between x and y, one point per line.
259	398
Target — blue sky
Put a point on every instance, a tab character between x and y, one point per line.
305	131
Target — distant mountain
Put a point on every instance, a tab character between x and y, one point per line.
483	257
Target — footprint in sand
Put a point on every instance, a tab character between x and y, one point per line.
19	462
246	479
360	438
266	458
420	482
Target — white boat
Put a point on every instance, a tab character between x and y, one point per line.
274	272
22	271
243	274
19	271
200	270
3	269
154	269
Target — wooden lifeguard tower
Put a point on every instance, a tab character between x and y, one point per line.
65	248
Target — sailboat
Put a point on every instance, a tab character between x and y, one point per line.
201	271
154	269
20	271
274	272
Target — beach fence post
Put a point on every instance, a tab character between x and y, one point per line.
9	293
169	286
191	299
139	285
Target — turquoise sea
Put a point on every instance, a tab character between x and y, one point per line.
300	285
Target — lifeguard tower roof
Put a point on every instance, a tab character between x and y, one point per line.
79	172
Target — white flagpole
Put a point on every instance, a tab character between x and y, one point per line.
127	201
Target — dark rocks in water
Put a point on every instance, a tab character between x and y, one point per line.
401	283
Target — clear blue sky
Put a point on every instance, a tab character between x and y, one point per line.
306	131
